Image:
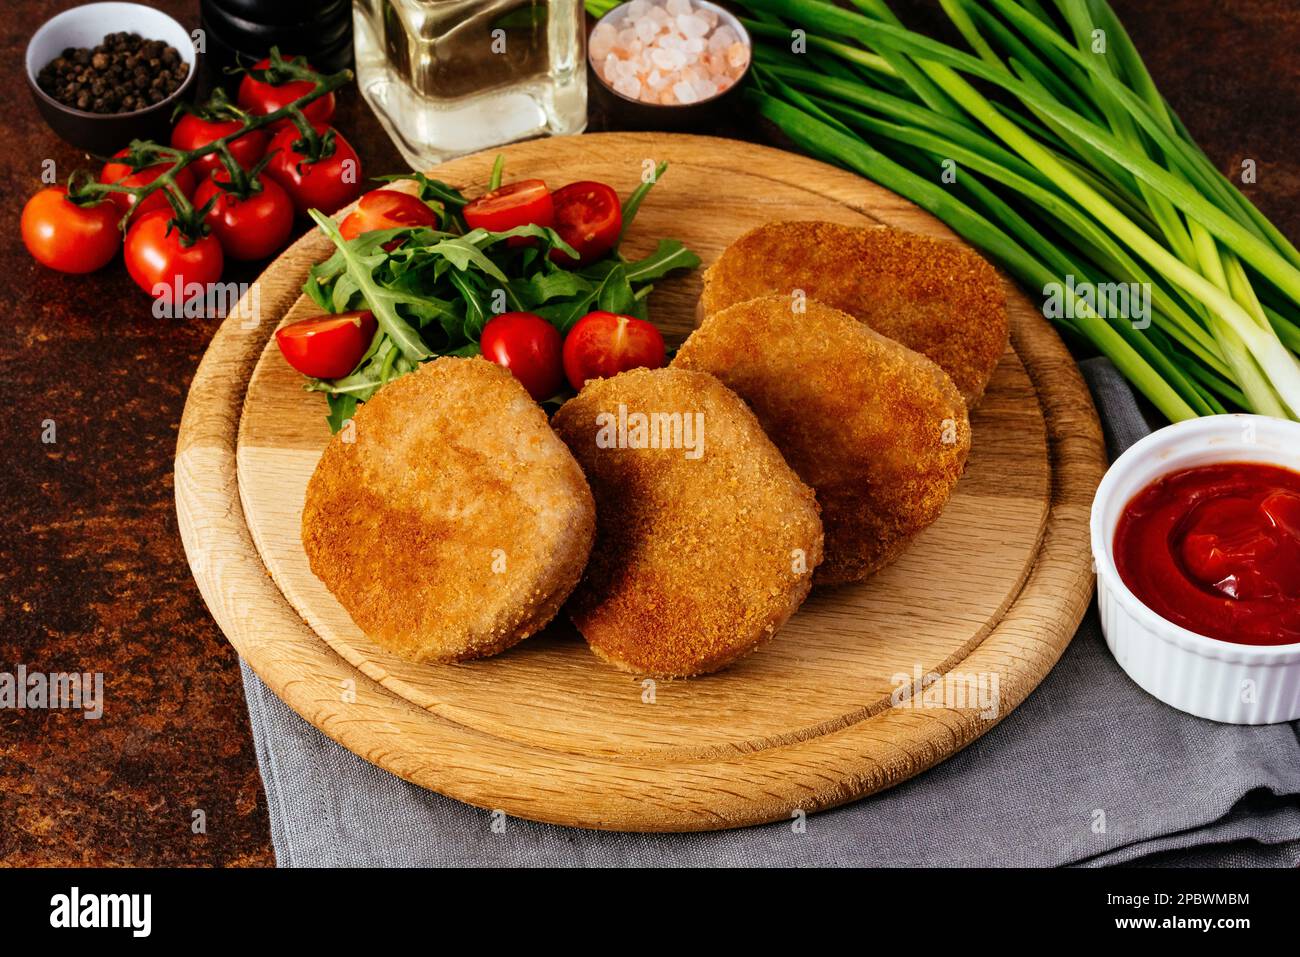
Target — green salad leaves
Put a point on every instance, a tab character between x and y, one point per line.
434	290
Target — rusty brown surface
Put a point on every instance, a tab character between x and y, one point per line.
92	574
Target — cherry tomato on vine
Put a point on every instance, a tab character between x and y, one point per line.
327	347
387	209
68	237
251	228
521	203
162	265
530	347
589	217
122	174
603	344
194	131
328	184
261	98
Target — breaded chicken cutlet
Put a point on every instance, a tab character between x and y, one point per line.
937	298
879	431
455	522
706	540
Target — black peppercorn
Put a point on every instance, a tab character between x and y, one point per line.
125	72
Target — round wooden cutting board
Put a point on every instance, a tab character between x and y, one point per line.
984	601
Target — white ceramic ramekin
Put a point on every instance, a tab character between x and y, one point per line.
1220	680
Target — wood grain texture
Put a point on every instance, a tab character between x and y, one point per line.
996	587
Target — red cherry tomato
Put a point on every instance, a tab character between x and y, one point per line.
589	217
387	209
121	173
603	344
251	228
68	237
162	265
528	346
261	98
194	131
327	347
328	184
519	204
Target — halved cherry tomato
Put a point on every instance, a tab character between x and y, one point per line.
387	209
330	183
162	265
68	237
589	217
519	204
261	98
603	344
327	347
194	131
122	174
251	228
528	346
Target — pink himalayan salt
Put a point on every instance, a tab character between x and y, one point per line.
668	53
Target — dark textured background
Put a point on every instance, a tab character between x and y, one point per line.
92	574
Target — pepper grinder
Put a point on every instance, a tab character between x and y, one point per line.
240	32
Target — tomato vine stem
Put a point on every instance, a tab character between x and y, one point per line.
85	190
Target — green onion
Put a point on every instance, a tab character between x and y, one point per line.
1069	163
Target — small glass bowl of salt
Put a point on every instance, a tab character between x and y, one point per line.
668	64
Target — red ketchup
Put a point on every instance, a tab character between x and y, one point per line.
1216	549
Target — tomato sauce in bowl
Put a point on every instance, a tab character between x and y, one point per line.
1216	550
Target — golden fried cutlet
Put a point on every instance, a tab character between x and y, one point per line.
879	431
935	297
706	540
456	523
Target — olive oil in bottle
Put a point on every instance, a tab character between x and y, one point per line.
449	77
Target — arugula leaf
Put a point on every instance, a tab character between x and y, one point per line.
448	315
542	287
669	254
550	238
475	314
345	292
612	293
323	275
360	384
362	255
429	188
462	251
634	199
615	293
342	408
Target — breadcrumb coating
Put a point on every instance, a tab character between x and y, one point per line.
697	561
455	523
937	298
879	431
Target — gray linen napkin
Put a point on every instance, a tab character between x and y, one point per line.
1089	770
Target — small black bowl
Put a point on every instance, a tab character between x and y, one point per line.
86	26
638	114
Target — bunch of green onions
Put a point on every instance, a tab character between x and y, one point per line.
1062	160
